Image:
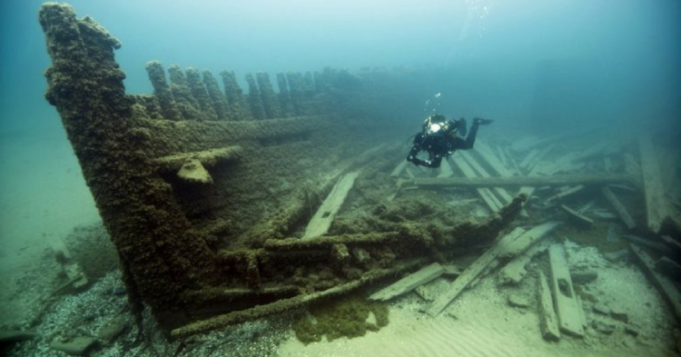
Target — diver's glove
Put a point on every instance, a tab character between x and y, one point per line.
481	121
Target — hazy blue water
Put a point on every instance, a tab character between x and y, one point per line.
579	62
628	49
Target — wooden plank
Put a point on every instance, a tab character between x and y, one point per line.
565	193
514	271
566	303
486	195
520	244
471	273
672	243
409	283
502	194
534	164
548	320
556	165
619	208
581	218
525	143
530	156
399	169
510	158
445	169
662	283
488	155
656	204
321	221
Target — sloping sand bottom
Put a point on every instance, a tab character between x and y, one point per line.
42	197
480	322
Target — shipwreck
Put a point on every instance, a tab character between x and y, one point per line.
225	205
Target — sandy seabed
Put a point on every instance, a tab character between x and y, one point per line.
43	197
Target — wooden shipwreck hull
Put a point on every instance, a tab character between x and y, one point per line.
199	189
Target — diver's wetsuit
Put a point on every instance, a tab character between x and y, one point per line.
441	144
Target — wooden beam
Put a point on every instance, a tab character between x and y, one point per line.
568	308
619	208
409	283
397	172
486	195
558	180
515	271
503	196
520	244
565	193
488	155
445	169
656	203
663	284
471	273
279	306
321	221
548	320
574	214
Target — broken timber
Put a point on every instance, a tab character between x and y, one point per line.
621	210
567	306
486	195
558	180
507	247
662	283
285	304
504	196
581	218
471	273
548	320
409	282
515	271
321	221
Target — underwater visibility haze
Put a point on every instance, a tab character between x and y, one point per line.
251	168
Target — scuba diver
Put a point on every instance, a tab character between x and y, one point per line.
441	138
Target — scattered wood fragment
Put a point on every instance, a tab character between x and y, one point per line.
76	346
445	169
75	274
278	306
619	208
321	221
656	204
565	193
672	243
8	336
520	244
529	158
669	267
488	155
409	283
471	273
486	195
647	242
569	312
399	169
662	283
503	196
578	216
548	320
514	271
